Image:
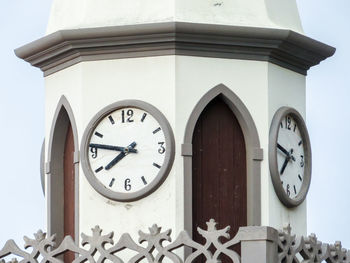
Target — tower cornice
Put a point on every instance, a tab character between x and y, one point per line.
282	47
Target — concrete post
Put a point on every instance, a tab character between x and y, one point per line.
258	244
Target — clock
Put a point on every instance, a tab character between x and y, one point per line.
127	150
289	157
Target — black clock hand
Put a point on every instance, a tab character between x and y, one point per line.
290	155
111	147
284	164
115	160
120	156
282	149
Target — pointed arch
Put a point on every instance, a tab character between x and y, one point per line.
254	153
62	121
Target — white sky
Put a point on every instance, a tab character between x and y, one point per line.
22	120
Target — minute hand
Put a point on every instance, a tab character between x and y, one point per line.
111	147
119	156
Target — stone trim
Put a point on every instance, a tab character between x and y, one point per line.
54	192
258	245
253	151
282	47
42	166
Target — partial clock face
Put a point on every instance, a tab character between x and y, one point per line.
128	151
290	156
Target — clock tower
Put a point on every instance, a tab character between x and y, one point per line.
174	112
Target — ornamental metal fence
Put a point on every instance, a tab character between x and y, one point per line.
258	245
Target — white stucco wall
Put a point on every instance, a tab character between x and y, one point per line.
286	88
67	14
263	87
173	84
102	83
195	76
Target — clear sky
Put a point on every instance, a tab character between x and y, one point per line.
328	120
22	120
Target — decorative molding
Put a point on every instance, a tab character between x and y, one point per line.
292	249
186	149
253	152
47	167
102	247
60	122
42	166
258	154
282	47
76	157
258	245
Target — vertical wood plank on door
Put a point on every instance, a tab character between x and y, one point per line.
219	179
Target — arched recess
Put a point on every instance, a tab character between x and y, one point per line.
254	153
63	127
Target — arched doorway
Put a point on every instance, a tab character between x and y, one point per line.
219	179
232	106
62	191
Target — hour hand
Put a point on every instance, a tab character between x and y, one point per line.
284	164
120	156
112	147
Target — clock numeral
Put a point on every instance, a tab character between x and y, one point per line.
161	150
93	151
127	185
300	143
302	163
295	126
127	117
295	190
288	189
288	122
300	178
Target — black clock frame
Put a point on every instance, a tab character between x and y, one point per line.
280	114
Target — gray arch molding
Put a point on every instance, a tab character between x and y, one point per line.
254	153
54	169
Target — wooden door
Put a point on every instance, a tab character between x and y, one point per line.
219	187
69	200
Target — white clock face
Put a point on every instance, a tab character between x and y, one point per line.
126	150
290	156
